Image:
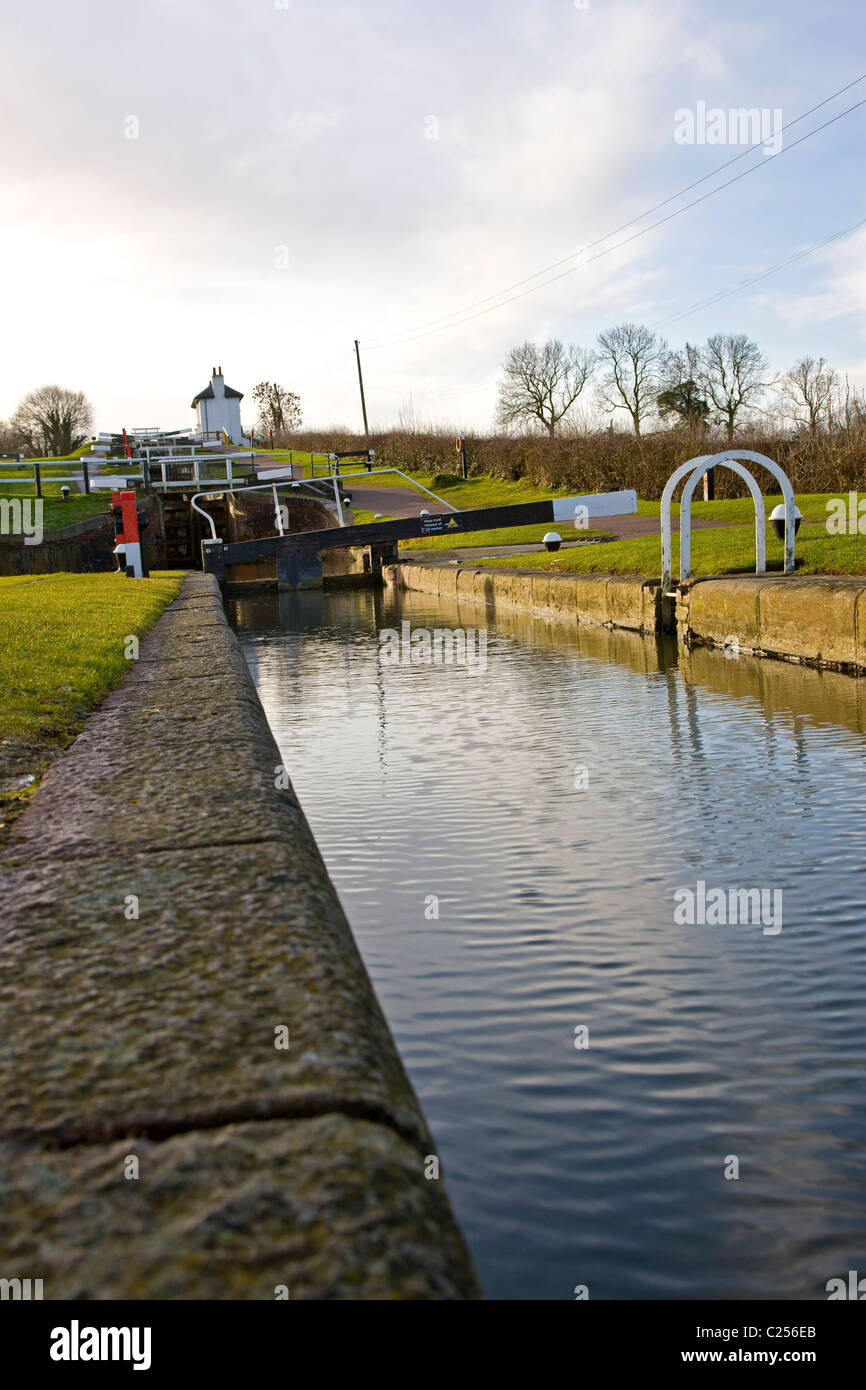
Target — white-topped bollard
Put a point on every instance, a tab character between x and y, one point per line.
777	520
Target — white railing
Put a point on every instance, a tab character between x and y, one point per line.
127	470
316	484
254	487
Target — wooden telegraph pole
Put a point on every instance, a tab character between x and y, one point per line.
361	384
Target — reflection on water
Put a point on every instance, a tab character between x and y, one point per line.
602	1166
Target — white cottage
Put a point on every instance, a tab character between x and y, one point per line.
218	407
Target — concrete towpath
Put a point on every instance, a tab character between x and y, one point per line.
201	1096
391	501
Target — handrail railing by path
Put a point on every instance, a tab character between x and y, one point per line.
336	479
697	467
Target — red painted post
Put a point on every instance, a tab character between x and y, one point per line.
127	540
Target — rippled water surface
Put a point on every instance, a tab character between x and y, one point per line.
601	1166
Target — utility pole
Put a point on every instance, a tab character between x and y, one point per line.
361	384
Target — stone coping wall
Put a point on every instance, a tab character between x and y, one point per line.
815	619
168	927
611	600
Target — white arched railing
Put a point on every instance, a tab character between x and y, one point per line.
697	467
686	517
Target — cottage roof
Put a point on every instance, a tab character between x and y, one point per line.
207	394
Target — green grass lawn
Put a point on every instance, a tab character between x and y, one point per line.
62	652
486	492
301	457
713	552
76	454
24	471
56	512
738	510
63	643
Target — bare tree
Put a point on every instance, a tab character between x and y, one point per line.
52	421
732	371
849	409
279	409
633	357
10	439
809	387
542	383
408	418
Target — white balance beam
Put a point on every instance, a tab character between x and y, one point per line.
595	504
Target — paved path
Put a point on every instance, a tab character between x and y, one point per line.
626	527
391	501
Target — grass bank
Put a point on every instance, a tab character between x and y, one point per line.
56	512
740	510
64	649
713	552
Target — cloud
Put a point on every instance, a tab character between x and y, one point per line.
835	288
309	175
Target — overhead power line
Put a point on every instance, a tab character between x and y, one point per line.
691	308
423	331
762	275
324	370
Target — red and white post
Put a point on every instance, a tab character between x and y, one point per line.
127	546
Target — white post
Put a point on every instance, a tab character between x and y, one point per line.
277	513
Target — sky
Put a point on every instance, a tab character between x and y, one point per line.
256	183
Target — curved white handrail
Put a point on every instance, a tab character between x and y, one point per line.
667	495
787	492
686	517
698	467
